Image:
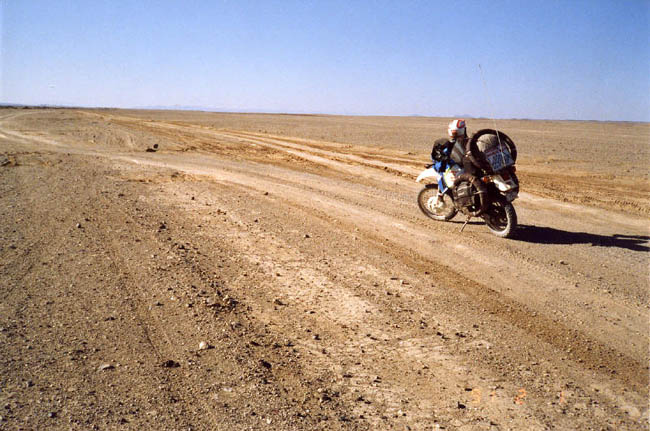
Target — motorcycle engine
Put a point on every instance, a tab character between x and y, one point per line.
464	196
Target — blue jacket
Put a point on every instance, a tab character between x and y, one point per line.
441	158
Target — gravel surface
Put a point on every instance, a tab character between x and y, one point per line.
274	272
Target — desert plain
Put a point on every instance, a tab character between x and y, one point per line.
183	270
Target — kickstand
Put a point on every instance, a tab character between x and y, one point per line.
465	224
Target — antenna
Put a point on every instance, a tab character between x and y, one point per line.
487	95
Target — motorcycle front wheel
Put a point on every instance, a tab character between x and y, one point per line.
501	219
441	209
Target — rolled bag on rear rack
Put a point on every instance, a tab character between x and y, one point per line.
478	159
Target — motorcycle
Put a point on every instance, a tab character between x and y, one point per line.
486	189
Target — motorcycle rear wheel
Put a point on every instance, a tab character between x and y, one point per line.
442	210
501	219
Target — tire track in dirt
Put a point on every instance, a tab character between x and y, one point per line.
121	238
391	223
324	155
156	327
394	165
343	205
592	354
597	191
559	185
289	270
326	296
388	226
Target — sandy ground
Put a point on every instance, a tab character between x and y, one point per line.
274	272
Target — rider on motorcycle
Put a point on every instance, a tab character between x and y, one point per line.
448	152
476	176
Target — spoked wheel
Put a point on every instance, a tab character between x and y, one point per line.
438	208
501	219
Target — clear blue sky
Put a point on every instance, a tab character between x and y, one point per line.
541	59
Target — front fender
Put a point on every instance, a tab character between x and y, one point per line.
428	173
502	184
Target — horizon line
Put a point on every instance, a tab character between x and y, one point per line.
271	112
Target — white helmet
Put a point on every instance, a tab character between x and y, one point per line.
456	129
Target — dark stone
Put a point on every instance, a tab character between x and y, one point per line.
170	364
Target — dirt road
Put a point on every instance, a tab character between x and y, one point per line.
239	278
